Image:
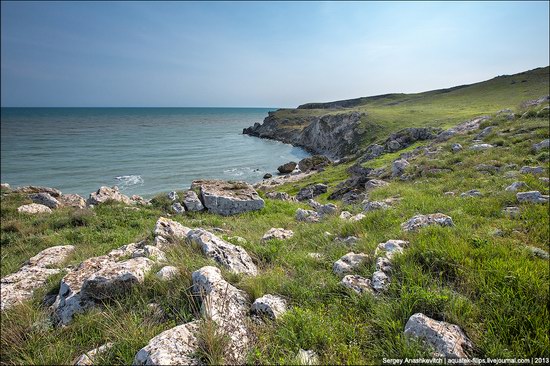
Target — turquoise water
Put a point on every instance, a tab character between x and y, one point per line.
142	150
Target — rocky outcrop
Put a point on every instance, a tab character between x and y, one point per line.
314	162
462	128
105	194
228	198
72	200
277	233
333	135
169	231
398	167
38	189
270	306
282	196
326	209
420	221
34	208
312	191
287	168
20	286
448	340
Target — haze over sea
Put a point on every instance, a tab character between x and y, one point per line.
141	150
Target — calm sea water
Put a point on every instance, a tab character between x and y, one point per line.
142	150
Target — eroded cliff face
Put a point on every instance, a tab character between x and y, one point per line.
333	135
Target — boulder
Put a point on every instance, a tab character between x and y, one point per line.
516	186
531	197
307	215
37	189
228	307
277	233
20	286
375	183
104	194
287	168
398	167
420	221
192	202
448	340
268	175
372	152
45	199
375	205
312	191
307	357
357	283
175	346
270	306
178	208
72	200
314	162
170	230
456	147
167	273
542	145
234	257
479	147
471	193
34	208
348	263
228	198
173	196
90	358
532	170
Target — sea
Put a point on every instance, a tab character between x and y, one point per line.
143	151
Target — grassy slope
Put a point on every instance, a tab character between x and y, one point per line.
489	285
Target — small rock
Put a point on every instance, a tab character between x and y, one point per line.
380	281
311	191
392	247
456	147
287	168
72	200
45	199
545	180
346	215
514	187
104	194
268	175
227	197
484	133
541	145
5	186
511	174
471	193
316	256
192	202
419	221
537	252
486	167
307	215
328	209
448	340
34	208
512	211
532	197
89	358
497	232
283	196
277	233
479	147
357	283
314	162
449	193
398	167
375	205
532	170
348	240
375	183
178	208
308	357
173	196
348	263
269	305
167	273
169	231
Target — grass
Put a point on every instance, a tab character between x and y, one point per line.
490	285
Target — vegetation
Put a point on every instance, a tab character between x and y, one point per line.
479	274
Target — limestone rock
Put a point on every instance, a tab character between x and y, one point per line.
380	281
456	147
228	307
314	162
375	205
311	191
307	215
20	286
383	264
375	183
514	187
173	196
34	208
89	358
37	189
45	199
268	175
357	283
283	196
512	211
170	230
348	263
72	200
531	197
537	252
178	208
484	133
104	194
316	256
471	193
167	273
419	221
398	167
228	198
448	340
392	247
532	170
277	233
269	305
175	346
231	256
346	215
479	147
307	357
287	168
328	209
541	145
192	202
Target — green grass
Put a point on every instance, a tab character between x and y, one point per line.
491	286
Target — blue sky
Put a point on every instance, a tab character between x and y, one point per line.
265	54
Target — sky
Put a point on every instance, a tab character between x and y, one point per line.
257	54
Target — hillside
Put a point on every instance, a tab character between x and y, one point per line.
481	262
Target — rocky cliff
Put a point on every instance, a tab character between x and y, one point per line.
334	135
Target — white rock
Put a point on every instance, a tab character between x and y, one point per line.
316	256
269	305
512	211
383	264
307	215
514	187
167	273
173	196
375	205
169	230
419	221
45	199
308	357
277	233
89	358
348	263
231	256
448	340
72	200
478	147
192	202
104	194
380	281
346	215
531	197
178	208
357	283
228	198
34	208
